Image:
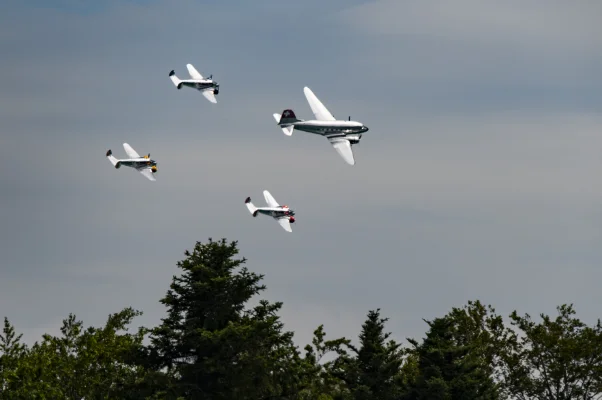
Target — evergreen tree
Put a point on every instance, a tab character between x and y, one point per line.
209	344
374	370
457	358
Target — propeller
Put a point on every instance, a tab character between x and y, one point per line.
211	76
350	118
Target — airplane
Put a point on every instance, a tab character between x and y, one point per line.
144	165
341	134
208	87
283	214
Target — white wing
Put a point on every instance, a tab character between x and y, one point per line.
269	199
194	74
147	173
285	224
320	112
208	93
130	152
343	147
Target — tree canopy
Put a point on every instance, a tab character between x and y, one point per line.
212	344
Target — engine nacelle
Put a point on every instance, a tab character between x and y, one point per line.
118	164
291	219
354	139
179	85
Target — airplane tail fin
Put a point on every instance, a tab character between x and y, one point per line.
286	121
288	117
113	160
176	81
251	207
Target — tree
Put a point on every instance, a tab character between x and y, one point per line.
457	358
319	382
12	351
557	359
91	363
210	345
373	371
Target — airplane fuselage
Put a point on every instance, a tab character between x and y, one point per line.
137	163
201	84
351	130
205	84
275	212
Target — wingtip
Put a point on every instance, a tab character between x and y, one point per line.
109	152
172	72
247	200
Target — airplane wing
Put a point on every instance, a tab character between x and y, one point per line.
147	173
343	147
208	93
130	152
320	112
194	74
284	222
269	199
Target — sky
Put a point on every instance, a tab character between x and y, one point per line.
478	178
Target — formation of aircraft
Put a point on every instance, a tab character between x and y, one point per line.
283	214
144	165
208	87
341	134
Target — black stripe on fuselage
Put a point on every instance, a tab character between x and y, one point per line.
330	131
138	164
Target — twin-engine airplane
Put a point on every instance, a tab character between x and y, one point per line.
283	214
208	87
144	165
341	134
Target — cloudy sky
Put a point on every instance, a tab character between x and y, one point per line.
479	177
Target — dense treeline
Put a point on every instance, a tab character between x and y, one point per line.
211	345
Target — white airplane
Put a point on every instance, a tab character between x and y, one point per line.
341	134
144	165
283	214
208	87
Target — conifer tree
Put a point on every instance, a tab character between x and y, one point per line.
211	345
372	371
457	358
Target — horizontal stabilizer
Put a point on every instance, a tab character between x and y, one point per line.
112	159
251	207
176	81
288	130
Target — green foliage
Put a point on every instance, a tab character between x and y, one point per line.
373	371
80	363
456	359
211	346
555	359
320	383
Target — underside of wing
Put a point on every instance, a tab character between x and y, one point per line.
147	173
194	74
208	93
320	112
270	199
284	222
130	151
343	147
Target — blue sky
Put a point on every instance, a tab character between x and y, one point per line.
477	179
